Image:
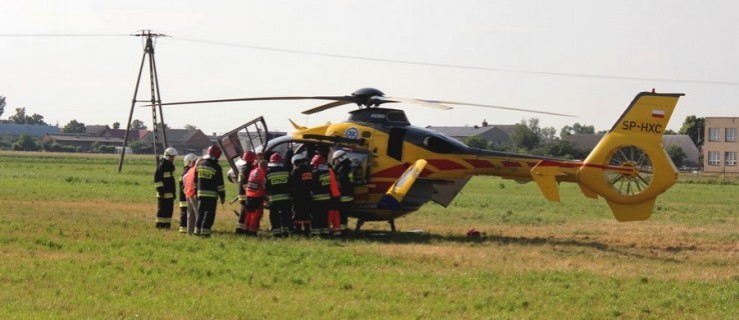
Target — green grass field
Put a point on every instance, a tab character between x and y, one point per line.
77	240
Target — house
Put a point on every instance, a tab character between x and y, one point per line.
184	140
84	142
37	131
106	131
496	134
692	154
720	147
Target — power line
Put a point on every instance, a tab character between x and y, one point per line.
407	62
60	35
468	67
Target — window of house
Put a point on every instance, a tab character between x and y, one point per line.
730	158
713	134
730	134
713	158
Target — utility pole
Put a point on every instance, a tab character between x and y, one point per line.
156	99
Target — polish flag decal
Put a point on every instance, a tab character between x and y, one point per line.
656	113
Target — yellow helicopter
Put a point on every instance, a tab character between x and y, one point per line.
399	167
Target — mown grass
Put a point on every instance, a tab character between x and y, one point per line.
77	241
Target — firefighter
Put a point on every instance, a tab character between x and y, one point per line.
189	163
165	186
345	176
255	197
321	194
249	157
277	188
301	179
210	187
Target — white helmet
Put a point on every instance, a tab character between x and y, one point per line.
339	155
190	158
170	152
298	157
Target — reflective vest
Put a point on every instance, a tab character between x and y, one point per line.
255	185
278	184
210	179
188	183
323	183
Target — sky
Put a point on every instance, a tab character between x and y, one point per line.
76	59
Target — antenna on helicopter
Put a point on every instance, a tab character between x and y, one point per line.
156	99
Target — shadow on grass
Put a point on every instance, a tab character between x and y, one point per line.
486	240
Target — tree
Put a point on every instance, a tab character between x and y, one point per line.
20	117
161	124
694	127
137	124
2	105
523	137
190	127
576	128
676	154
74	127
116	125
25	143
548	134
476	142
670	132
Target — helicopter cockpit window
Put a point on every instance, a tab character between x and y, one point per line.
396	116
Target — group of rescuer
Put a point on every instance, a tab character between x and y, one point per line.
305	198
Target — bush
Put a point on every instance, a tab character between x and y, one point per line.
55	147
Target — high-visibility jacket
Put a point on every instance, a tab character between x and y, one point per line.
277	183
164	179
182	196
188	183
345	176
255	184
209	179
243	177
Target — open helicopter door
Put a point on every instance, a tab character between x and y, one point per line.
248	136
398	191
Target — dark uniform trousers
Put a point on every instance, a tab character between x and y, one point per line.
165	206
280	216
206	215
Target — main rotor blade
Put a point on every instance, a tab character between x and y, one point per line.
326	106
500	107
338	98
425	103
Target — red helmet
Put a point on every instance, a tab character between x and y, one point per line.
249	156
214	151
275	158
317	160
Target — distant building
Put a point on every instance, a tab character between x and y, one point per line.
692	154
184	140
37	131
84	142
720	147
496	134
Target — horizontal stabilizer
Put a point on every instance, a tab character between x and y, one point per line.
545	176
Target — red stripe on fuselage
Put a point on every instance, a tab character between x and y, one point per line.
392	172
480	163
444	164
511	164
